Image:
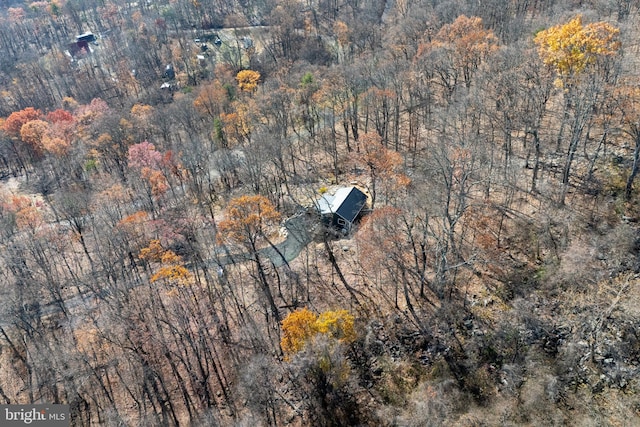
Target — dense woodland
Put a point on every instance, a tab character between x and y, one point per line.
493	279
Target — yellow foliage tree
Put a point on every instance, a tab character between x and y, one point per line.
572	47
153	252
301	326
173	273
248	80
172	269
142	111
337	325
581	55
298	327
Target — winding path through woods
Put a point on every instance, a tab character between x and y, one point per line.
298	237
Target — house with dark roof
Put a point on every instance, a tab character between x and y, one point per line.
342	208
81	46
87	37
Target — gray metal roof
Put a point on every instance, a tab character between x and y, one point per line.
347	202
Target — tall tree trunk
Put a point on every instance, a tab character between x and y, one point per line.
635	132
266	290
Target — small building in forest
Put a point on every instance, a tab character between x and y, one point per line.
80	47
169	72
341	209
87	37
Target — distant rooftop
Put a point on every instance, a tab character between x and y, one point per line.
86	36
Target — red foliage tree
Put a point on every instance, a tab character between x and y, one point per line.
59	115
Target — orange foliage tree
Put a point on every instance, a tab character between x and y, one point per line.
156	180
134	225
235	125
32	134
17	119
212	99
21	210
62	127
458	49
55	145
53	135
249	220
383	164
384	250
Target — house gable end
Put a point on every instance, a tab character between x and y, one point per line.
351	205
